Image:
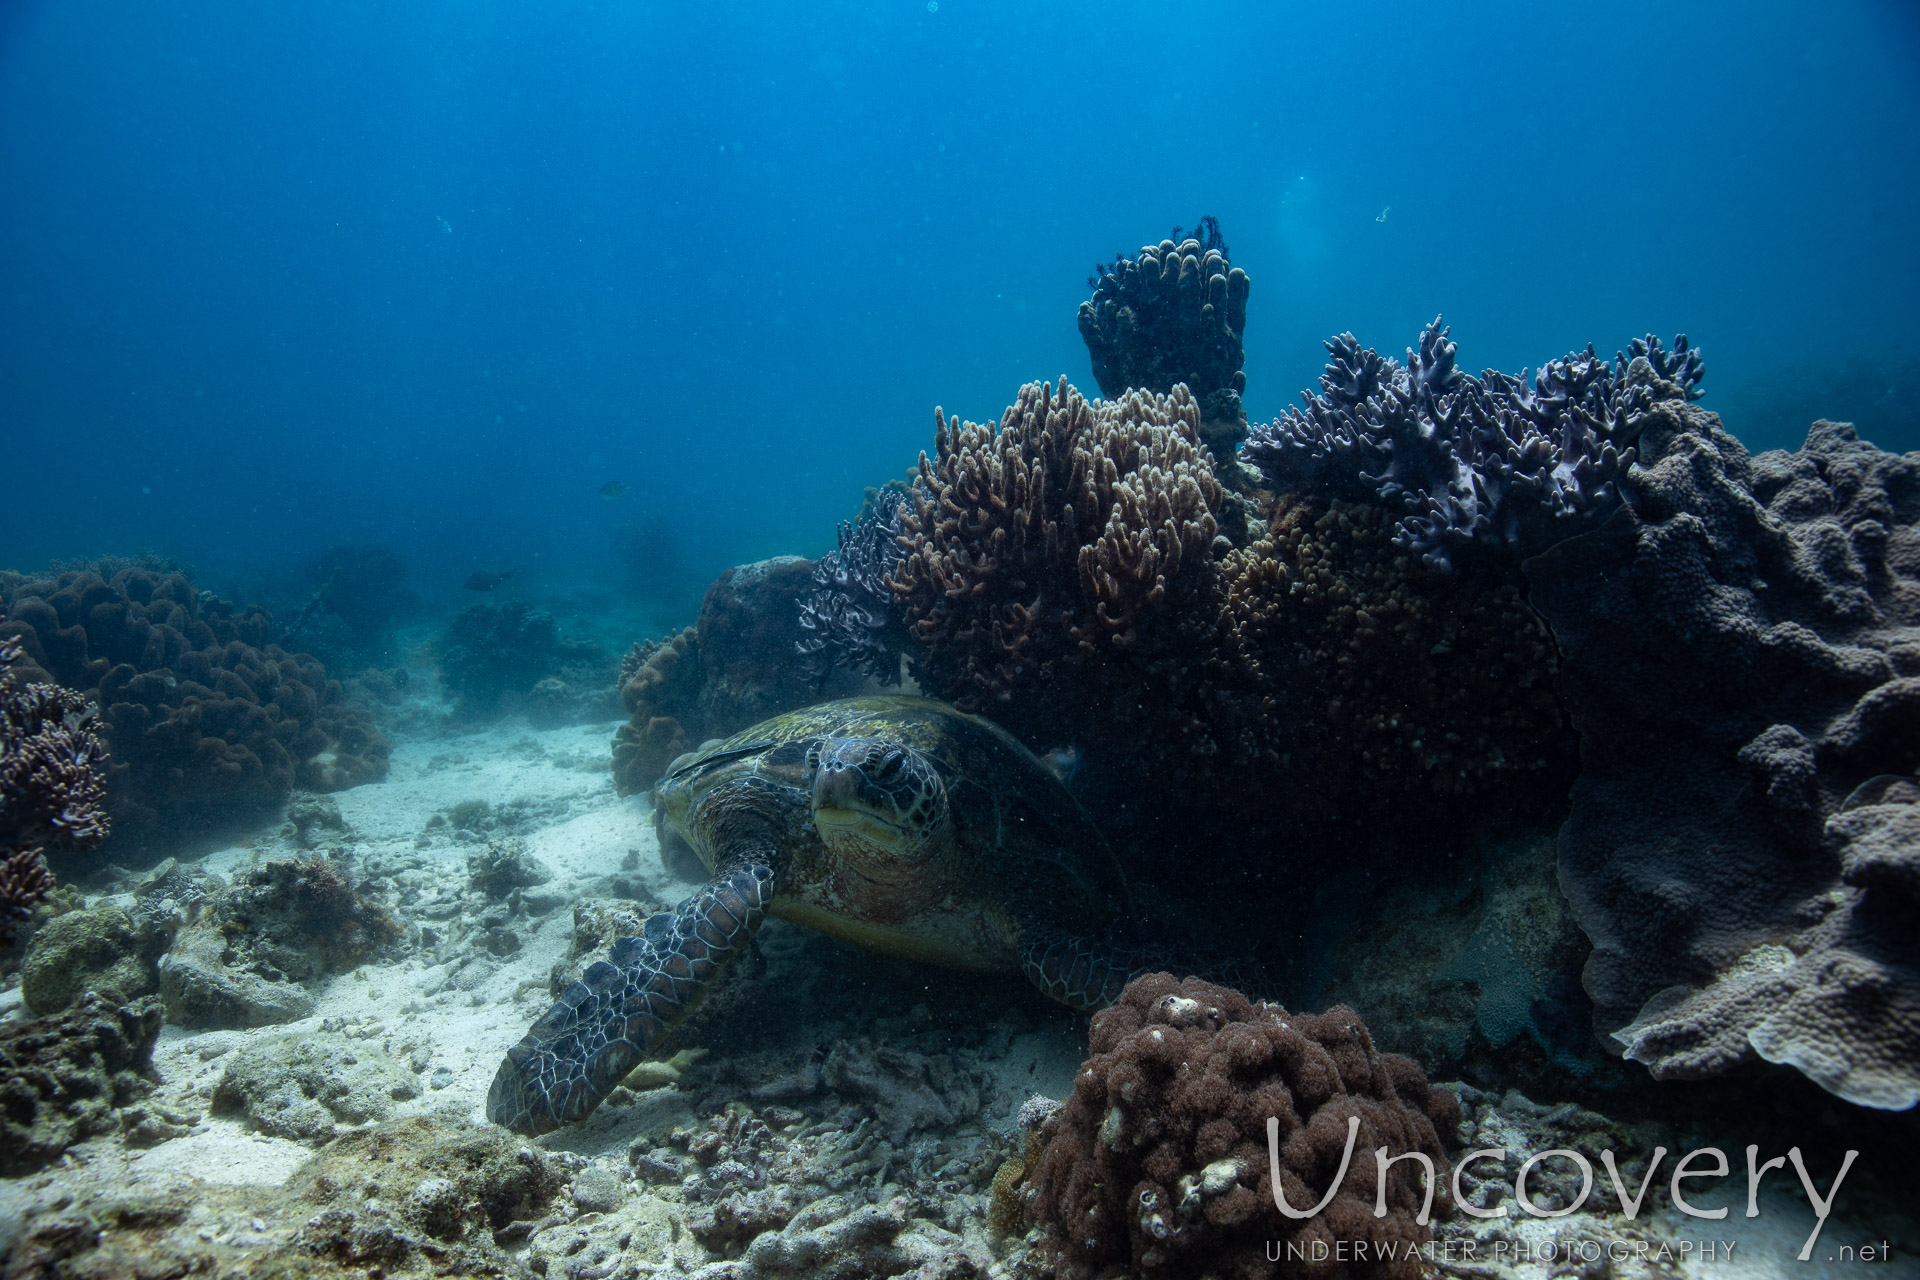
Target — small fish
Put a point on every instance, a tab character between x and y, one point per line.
488	579
612	489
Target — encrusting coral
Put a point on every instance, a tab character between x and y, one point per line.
204	718
1174	314
1741	653
1161	1163
1494	460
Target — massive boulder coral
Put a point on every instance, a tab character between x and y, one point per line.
1359	673
1741	653
501	658
1161	1164
205	719
1174	314
1494	460
743	661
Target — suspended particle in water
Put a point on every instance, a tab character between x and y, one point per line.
933	6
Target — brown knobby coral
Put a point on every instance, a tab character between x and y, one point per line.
1075	539
1161	1163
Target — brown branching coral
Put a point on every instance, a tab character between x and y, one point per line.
1360	668
1161	1163
52	785
1076	536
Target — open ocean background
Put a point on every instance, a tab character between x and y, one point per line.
274	277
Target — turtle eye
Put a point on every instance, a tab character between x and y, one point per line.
890	766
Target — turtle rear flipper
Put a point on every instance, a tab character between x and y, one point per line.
624	1006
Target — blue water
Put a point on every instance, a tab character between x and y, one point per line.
276	276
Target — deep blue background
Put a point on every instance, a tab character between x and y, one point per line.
272	276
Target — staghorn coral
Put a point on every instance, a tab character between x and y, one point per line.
1741	654
1174	314
205	719
850	615
1075	539
1494	460
1159	1162
1361	672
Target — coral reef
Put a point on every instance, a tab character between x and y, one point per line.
1160	1160
1741	653
1359	670
105	950
742	662
1075	538
357	592
1174	314
850	615
52	785
284	922
65	1078
508	657
1494	460
304	1086
205	720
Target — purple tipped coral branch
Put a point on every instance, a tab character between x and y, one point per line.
1499	460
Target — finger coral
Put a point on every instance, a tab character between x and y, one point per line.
1173	314
205	719
1494	460
1161	1163
1075	538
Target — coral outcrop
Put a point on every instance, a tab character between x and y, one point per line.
65	1078
1358	671
205	720
508	657
1741	653
1174	314
1076	538
1494	460
1161	1163
742	662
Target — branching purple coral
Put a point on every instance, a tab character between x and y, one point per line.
53	787
1496	459
851	617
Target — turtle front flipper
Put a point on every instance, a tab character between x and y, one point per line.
625	1005
1077	972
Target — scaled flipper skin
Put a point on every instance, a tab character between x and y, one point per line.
624	1006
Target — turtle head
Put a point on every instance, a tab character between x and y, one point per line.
879	805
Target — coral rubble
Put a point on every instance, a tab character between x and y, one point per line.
1174	314
64	1078
1741	654
1162	1161
204	718
1459	460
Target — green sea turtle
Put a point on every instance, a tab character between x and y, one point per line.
896	823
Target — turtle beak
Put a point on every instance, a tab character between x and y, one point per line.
844	801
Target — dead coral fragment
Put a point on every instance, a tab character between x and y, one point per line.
1159	1160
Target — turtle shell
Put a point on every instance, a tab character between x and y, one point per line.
1021	851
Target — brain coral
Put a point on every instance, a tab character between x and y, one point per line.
203	717
1159	1163
1741	654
